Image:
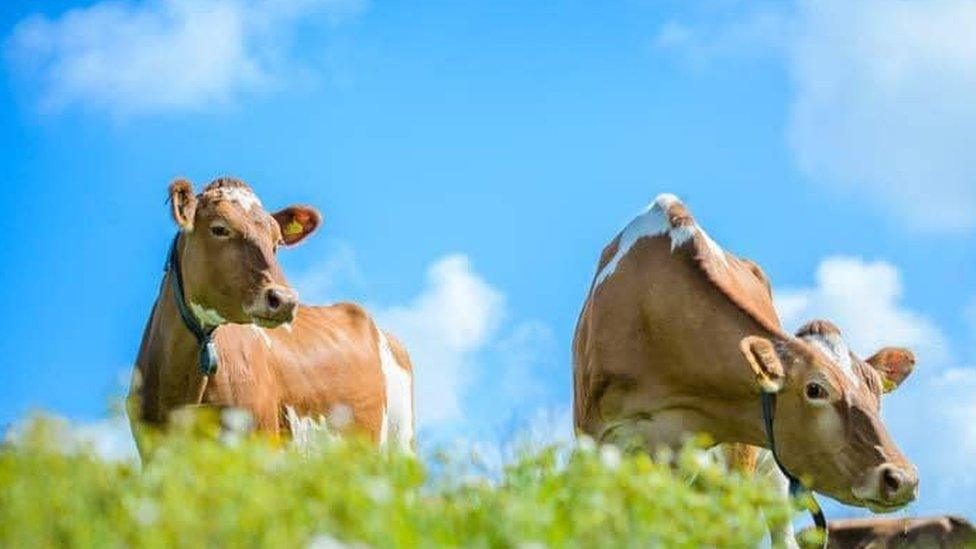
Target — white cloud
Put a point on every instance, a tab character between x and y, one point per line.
883	104
864	300
443	328
154	56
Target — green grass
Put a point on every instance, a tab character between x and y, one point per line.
198	492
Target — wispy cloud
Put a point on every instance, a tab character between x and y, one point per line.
151	56
883	105
759	33
865	300
882	96
337	272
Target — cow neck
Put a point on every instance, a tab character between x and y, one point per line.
757	412
768	404
730	399
206	350
168	358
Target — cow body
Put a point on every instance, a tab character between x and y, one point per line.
329	366
648	355
678	336
879	533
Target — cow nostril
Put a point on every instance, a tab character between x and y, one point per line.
892	480
274	300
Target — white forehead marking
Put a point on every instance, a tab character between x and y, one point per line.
834	346
264	335
244	197
207	317
653	221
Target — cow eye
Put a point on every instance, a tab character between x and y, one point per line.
219	231
816	391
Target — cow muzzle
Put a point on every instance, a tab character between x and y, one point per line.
273	306
888	487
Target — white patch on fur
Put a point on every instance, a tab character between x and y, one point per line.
713	246
243	197
681	235
653	221
782	535
835	348
207	317
264	335
307	431
397	427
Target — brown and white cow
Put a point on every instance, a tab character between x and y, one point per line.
883	533
896	363
285	362
679	336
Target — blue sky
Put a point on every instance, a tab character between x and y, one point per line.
471	160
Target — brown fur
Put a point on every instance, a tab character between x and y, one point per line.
880	533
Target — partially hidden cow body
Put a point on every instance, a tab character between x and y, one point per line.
678	336
902	533
288	364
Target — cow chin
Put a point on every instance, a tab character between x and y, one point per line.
267	322
880	508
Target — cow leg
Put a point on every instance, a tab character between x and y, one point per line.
781	535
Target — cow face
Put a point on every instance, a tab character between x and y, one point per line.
230	272
827	426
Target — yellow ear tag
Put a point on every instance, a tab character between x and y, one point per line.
294	228
888	385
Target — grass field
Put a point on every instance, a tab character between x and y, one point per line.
199	492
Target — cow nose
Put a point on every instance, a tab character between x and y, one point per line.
280	303
897	484
888	486
274	298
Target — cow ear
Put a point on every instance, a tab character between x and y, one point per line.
766	365
296	223
183	203
893	364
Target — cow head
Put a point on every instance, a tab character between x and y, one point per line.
230	272
828	427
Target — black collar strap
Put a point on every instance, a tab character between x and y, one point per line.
208	351
796	488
